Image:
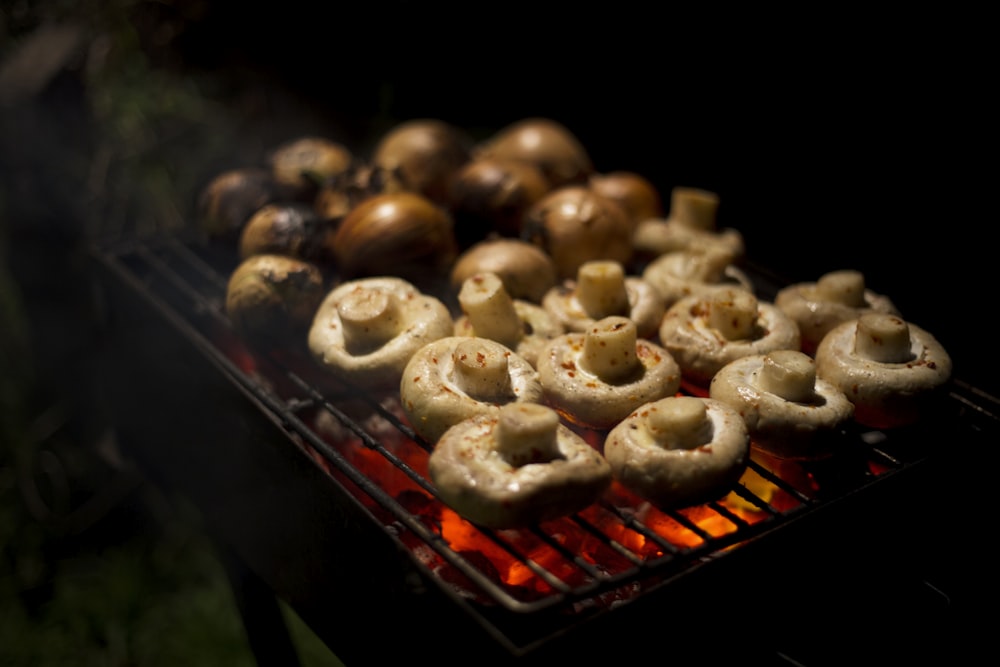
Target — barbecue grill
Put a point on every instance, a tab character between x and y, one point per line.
321	492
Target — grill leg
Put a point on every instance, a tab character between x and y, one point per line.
267	632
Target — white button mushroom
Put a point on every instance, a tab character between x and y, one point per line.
692	223
789	411
679	451
602	289
458	377
890	369
490	312
836	297
366	330
694	272
598	377
516	467
704	333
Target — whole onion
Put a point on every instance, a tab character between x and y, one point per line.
306	163
574	224
230	198
420	156
492	195
632	191
400	234
548	144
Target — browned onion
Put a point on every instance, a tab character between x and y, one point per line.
574	224
550	145
492	195
400	234
632	191
420	156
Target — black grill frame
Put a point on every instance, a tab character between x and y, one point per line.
182	284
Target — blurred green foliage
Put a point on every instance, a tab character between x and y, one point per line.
113	136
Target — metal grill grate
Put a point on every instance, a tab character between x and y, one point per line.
609	554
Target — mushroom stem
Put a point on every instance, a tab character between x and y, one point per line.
600	289
527	433
681	422
789	374
369	318
609	349
490	309
694	208
883	338
844	287
482	372
733	313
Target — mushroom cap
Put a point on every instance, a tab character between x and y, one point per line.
692	224
596	378
690	332
476	478
526	270
576	309
538	326
694	272
365	330
890	369
838	296
679	451
789	411
457	377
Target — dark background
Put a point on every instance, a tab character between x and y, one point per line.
834	141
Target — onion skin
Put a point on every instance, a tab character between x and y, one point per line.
306	163
574	225
400	234
632	191
271	299
228	201
544	142
420	156
291	228
492	195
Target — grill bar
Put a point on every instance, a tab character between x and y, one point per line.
628	549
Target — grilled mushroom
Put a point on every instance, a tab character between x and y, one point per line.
836	297
596	378
790	413
489	312
891	370
692	223
366	330
601	289
516	467
457	377
704	333
694	271
679	451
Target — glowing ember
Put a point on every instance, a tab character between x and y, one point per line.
596	538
